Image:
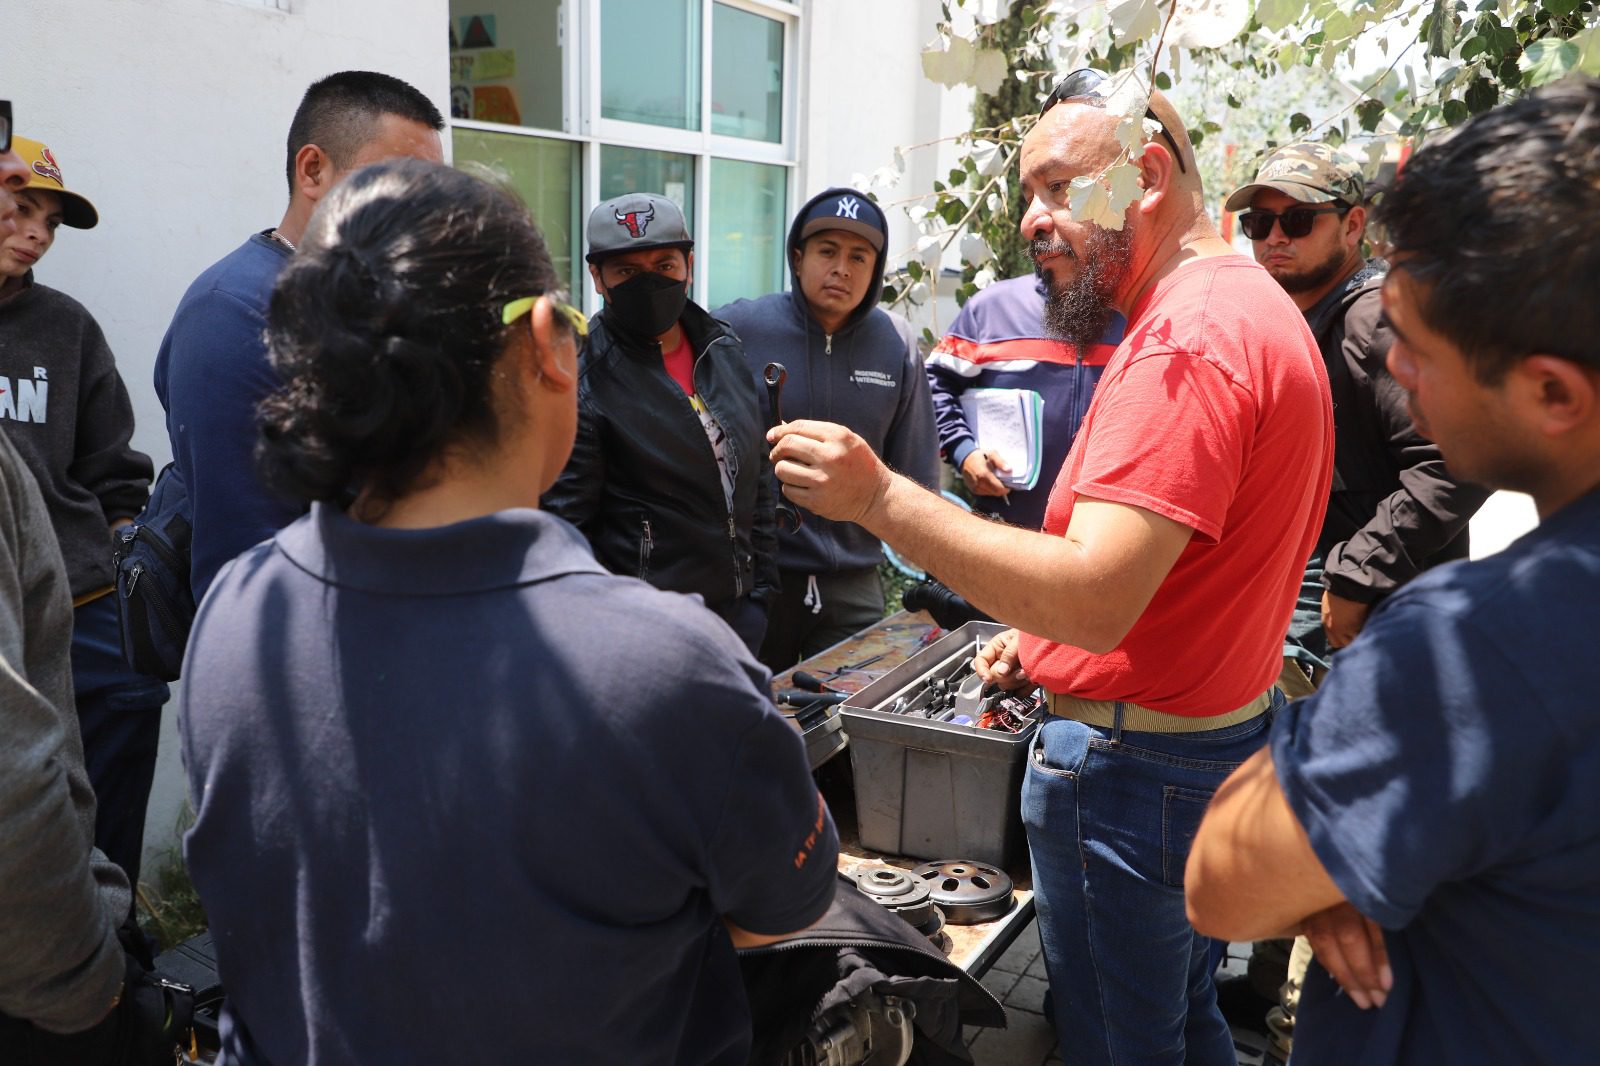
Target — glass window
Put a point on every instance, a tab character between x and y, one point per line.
505	62
746	75
748	225
545	174
625	170
650	62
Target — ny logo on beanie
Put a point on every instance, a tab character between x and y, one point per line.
848	206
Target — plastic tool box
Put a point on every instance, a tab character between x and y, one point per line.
931	789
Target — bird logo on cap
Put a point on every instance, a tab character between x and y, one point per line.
47	167
636	221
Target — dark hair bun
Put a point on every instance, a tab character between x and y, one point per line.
385	328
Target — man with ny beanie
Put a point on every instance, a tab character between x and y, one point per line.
850	362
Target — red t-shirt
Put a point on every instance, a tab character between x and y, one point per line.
1214	412
680	363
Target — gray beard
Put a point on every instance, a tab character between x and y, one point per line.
1079	312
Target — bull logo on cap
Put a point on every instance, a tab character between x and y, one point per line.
636	221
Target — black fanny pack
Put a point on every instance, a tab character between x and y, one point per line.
154	601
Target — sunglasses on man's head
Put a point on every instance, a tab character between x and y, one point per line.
1295	222
1088	84
5	126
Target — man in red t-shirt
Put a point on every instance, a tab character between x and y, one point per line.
1153	604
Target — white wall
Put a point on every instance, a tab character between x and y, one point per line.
171	115
866	96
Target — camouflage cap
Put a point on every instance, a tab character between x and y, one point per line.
1310	171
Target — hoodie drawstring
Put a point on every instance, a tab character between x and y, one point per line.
813	597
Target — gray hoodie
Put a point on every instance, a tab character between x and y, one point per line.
60	900
867	376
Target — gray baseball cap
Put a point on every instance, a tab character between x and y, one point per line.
634	222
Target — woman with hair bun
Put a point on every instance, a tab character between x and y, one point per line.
462	795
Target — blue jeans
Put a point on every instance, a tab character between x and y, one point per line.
119	716
1110	816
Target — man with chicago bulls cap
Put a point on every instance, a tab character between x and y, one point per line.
669	478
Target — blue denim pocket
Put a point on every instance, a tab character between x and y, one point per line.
1181	811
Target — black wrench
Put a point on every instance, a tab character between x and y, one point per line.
774	374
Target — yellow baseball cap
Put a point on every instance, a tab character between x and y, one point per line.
45	173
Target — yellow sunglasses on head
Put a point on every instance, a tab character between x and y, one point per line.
517	308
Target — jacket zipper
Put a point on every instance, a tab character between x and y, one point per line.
646	546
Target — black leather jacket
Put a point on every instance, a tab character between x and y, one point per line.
643	483
1394	510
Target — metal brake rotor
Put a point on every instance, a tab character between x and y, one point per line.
968	892
899	891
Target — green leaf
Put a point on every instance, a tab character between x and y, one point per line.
1547	60
1233	102
1561	8
958	176
1299	121
1162	81
1510	75
1455	112
914	269
1370	112
1474	47
1196	135
1481	95
1588	43
1277	14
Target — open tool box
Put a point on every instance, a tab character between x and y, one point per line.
935	789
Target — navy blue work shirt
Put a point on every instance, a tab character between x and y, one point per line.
465	797
1448	775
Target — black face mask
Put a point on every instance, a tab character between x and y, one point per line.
647	305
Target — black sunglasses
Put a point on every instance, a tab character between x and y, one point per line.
1295	222
1086	83
5	125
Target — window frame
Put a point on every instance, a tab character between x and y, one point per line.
578	37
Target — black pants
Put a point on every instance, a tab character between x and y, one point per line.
813	612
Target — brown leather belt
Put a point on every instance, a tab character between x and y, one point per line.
1103	713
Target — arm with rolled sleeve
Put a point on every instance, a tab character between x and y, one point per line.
1429	509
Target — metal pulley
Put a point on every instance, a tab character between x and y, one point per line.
967	892
898	891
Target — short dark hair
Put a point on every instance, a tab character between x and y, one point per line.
386	328
1499	224
340	113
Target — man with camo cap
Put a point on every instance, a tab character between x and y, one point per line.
1394	509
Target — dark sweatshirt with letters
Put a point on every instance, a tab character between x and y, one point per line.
64	406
